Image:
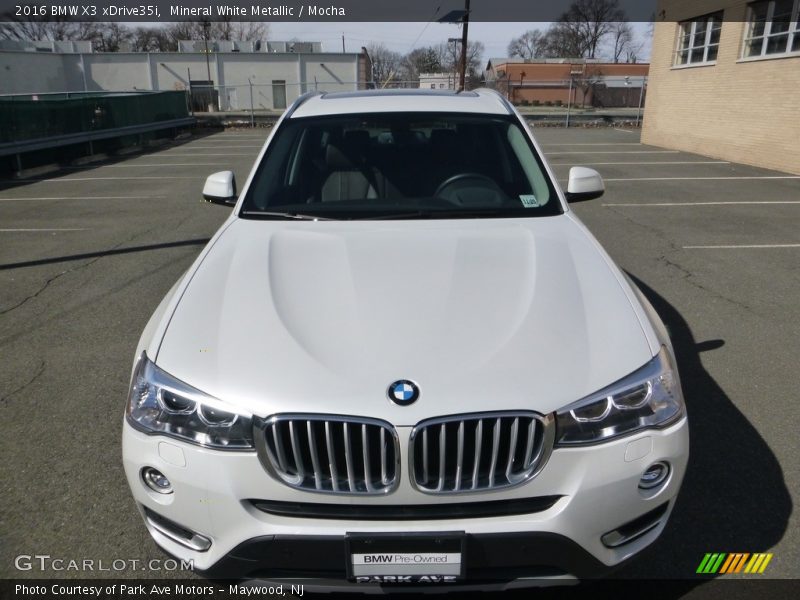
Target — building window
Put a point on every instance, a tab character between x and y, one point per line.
698	40
433	86
772	28
441	86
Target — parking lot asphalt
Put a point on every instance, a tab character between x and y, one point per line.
87	253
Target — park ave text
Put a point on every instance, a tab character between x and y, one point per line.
148	590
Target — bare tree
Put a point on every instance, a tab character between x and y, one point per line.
105	37
625	46
422	60
531	44
564	40
450	55
217	30
110	37
53	29
387	65
587	83
152	39
227	29
221	30
251	30
183	30
583	27
595	18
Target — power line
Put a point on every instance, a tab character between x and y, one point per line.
424	29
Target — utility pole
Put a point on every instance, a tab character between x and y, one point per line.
456	65
641	99
342	43
464	34
206	27
569	100
252	111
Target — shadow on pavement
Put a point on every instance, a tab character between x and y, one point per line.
733	499
112	252
64	165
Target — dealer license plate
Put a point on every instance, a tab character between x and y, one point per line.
405	558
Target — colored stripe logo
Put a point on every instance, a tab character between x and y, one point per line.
736	562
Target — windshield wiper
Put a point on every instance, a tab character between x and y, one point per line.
438	214
261	214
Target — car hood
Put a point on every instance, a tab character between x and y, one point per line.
483	315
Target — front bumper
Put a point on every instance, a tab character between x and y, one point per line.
595	489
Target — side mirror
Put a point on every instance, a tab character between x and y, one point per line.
584	184
220	188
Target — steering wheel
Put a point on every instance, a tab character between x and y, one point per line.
465	189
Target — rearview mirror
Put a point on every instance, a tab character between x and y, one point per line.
584	184
220	188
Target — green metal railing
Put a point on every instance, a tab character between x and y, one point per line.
39	116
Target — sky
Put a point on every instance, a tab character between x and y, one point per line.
404	37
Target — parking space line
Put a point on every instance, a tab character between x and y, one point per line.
138	166
722	203
614	152
741	246
217	147
38	230
666	162
596	144
61	179
81	198
706	178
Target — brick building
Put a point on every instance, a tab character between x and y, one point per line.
587	82
725	81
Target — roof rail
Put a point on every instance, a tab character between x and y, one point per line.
300	101
502	100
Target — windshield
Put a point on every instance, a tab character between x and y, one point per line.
400	166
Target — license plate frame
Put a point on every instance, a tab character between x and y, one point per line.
435	549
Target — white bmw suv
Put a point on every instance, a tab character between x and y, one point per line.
403	360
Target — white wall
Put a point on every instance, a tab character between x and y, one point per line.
34	72
262	72
29	72
116	72
332	72
172	70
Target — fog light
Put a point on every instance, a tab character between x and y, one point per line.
156	480
654	476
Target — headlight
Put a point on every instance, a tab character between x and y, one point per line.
649	397
159	403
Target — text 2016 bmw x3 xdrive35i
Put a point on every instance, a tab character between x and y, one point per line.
404	359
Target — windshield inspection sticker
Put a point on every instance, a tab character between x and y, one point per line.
529	200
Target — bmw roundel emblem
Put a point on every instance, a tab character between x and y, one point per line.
403	392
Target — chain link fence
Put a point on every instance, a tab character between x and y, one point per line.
249	96
36	116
